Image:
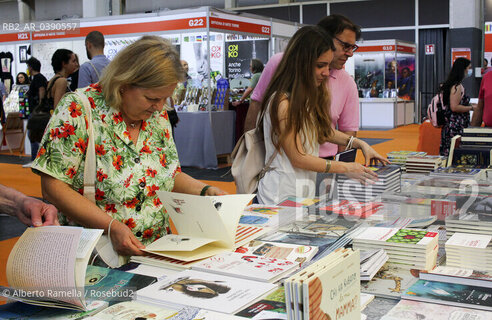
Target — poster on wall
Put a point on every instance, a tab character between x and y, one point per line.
406	76
114	45
194	51
460	53
240	53
23	54
369	76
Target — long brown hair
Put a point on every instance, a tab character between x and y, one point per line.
295	80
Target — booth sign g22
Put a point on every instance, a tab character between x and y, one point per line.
70	26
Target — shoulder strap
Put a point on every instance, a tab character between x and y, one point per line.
48	90
90	155
94	67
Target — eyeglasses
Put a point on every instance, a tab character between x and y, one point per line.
348	47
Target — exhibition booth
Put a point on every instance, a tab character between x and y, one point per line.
215	43
384	71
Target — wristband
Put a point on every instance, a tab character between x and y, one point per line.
328	166
204	190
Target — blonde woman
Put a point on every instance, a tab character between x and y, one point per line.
135	151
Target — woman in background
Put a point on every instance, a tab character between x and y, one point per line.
64	63
22	78
297	121
457	111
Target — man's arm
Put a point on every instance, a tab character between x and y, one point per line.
253	111
30	211
477	116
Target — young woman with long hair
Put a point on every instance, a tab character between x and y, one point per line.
297	121
457	112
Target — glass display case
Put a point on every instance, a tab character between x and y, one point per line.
384	71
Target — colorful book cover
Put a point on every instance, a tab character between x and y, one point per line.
450	294
390	282
335	228
301	239
292	252
352	208
247	266
333	292
204	290
298	202
114	285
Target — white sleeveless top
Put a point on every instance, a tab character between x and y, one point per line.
284	180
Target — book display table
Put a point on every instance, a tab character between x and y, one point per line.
200	137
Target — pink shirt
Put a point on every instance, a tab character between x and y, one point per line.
486	95
344	107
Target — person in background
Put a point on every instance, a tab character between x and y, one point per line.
345	99
256	67
3	91
297	121
22	78
73	78
486	67
135	152
64	64
37	91
457	113
91	71
28	210
186	68
483	110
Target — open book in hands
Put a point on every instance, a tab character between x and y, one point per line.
206	226
47	266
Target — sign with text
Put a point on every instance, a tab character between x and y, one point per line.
430	49
460	53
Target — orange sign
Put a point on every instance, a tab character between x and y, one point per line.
460	53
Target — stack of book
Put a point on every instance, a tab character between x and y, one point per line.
406	248
458	173
389	179
424	164
400	157
416	204
327	289
467	223
460	276
370	263
471	251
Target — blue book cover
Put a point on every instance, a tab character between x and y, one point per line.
450	294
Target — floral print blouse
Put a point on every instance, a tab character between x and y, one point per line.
127	176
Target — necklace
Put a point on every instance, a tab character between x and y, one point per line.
133	125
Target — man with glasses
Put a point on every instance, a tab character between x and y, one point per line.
344	107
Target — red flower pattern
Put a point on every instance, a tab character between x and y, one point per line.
81	145
131	203
148	233
75	110
130	223
151	172
100	175
100	150
71	172
117	162
110	207
162	159
99	194
151	190
157	202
